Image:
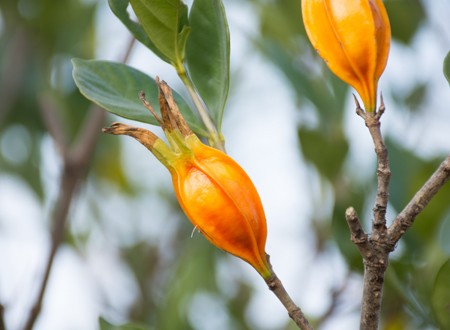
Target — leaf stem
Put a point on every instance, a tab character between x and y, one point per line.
215	138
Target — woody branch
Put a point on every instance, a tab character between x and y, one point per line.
376	246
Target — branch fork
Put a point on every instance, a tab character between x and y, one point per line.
376	246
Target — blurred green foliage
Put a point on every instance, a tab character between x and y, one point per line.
441	296
447	67
405	17
38	40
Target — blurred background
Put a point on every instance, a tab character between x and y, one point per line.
103	208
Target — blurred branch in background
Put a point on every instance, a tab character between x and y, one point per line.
76	161
11	81
336	297
75	165
2	317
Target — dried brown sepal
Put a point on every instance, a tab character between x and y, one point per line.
150	108
144	136
171	115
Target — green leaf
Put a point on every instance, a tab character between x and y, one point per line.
447	67
405	17
119	8
166	24
440	299
208	55
115	87
331	155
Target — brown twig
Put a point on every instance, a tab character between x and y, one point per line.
374	270
376	247
372	121
375	252
359	237
295	313
76	162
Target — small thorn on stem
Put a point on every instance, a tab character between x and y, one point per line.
359	111
150	108
382	108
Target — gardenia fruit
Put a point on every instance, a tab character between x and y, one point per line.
353	38
216	194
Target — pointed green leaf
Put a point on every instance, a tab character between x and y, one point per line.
208	55
119	8
115	87
440	299
447	67
166	24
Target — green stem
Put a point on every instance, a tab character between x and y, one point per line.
215	138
